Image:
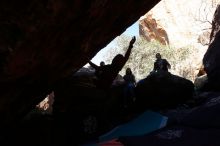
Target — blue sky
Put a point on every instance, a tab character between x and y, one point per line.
133	30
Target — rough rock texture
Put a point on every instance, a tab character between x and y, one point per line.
46	106
211	59
185	24
151	30
184	21
198	126
44	41
163	90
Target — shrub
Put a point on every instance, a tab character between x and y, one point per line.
143	56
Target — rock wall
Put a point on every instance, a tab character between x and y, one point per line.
211	59
44	41
151	30
182	23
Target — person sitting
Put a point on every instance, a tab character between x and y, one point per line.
107	73
161	64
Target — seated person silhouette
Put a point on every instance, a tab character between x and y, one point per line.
161	64
107	73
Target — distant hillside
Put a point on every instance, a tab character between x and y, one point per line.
179	23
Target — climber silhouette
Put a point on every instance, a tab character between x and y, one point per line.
107	73
161	64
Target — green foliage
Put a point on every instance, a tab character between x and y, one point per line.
143	56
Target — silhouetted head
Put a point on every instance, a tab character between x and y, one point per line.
158	56
102	63
128	71
117	60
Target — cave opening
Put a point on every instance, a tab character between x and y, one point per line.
53	39
183	42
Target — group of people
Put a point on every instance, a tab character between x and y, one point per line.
106	74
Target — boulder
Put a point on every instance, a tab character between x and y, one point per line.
198	126
151	30
45	41
211	59
162	90
200	81
183	24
